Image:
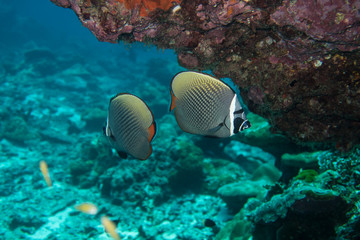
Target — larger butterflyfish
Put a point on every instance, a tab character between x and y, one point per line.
130	126
206	106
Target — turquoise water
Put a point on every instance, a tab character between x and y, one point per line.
56	83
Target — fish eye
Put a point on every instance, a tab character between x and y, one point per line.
246	124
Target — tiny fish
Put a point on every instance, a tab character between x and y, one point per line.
110	227
87	208
45	172
130	126
206	106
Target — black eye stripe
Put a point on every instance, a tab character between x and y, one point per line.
239	111
237	124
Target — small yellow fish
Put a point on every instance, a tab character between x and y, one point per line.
87	208
45	172
110	227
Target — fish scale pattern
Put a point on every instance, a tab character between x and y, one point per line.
203	105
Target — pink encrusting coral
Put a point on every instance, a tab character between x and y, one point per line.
324	20
283	55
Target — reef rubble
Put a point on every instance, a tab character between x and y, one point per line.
295	62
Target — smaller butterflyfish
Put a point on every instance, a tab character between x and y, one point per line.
88	208
45	172
206	106
130	126
110	227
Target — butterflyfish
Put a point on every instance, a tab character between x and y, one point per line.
206	106
130	126
88	208
45	172
110	227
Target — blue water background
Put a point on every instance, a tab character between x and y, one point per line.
29	24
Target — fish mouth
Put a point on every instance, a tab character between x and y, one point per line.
246	124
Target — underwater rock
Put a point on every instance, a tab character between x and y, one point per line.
43	62
188	174
302	160
296	67
236	194
94	118
248	157
55	136
16	129
300	210
266	172
260	135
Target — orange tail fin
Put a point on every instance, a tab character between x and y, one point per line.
173	101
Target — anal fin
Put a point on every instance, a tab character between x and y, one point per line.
122	154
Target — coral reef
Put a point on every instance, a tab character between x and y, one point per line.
255	185
302	210
314	205
296	66
95	158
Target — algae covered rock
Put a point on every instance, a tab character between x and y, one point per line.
16	129
236	194
247	156
267	172
307	175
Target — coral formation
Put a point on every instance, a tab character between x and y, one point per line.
236	194
295	66
189	173
292	213
147	6
313	205
95	158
